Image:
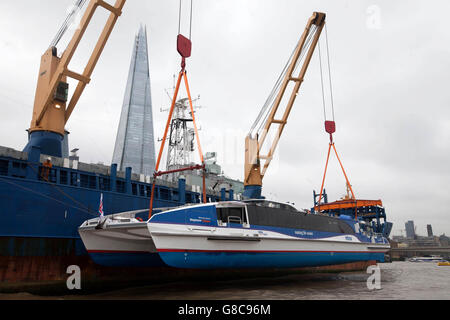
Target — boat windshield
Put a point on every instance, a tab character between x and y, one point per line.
271	204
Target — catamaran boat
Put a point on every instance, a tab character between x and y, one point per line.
120	240
260	234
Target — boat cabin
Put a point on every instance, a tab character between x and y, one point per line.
265	213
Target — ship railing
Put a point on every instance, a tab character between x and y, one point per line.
126	214
234	219
116	216
379	235
132	214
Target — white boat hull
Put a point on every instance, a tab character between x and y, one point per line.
127	244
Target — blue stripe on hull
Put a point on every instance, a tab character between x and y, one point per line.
127	259
213	260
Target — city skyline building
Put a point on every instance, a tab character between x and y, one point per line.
410	230
429	230
135	145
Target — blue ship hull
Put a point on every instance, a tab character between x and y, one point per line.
211	260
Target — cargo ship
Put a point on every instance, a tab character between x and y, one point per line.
45	194
42	208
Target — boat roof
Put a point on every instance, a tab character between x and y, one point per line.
226	204
234	203
271	204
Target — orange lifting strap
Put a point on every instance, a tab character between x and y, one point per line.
184	49
330	127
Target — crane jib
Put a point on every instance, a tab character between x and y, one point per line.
257	163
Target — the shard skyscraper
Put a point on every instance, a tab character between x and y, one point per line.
135	146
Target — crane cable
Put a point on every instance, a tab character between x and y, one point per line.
75	9
329	77
184	49
330	125
190	21
270	100
329	71
321	82
306	47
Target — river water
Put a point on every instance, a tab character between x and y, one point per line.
399	280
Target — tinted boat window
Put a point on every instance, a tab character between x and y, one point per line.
233	215
264	216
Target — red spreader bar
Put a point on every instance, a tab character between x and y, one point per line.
196	167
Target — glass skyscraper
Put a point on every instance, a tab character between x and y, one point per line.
135	146
410	230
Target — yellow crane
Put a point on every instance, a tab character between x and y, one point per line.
51	110
256	164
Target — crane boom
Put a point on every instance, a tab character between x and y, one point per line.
50	113
253	144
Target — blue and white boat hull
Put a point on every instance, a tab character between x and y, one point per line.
189	246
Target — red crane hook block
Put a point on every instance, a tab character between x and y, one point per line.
330	127
184	47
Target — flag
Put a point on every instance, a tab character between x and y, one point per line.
100	208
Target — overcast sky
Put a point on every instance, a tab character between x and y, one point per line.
390	63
